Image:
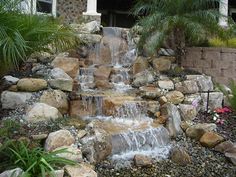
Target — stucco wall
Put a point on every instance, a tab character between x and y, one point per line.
71	10
220	63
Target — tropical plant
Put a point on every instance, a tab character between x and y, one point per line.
181	20
35	162
22	34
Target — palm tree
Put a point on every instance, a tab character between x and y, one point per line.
182	20
22	34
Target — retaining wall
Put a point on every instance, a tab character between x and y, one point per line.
220	63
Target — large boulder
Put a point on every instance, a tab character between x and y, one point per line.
102	73
42	112
80	170
58	139
173	119
187	112
60	80
31	84
196	131
57	99
166	84
97	145
161	64
175	97
150	92
140	64
187	87
204	82
211	139
143	78
68	64
180	156
215	100
91	27
12	100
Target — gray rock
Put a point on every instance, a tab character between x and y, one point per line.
215	100
90	38
10	80
187	112
12	100
58	139
166	84
61	84
204	82
187	87
42	112
97	144
80	170
174	121
166	52
91	27
143	78
58	73
73	153
17	172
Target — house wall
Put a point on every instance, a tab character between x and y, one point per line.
71	10
220	63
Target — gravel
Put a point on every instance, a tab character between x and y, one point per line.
205	163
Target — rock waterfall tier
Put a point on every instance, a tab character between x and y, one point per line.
107	99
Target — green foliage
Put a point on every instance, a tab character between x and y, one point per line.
183	20
7	127
217	42
22	34
35	162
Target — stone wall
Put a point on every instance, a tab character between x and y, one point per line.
220	63
71	10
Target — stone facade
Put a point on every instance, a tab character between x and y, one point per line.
220	63
71	10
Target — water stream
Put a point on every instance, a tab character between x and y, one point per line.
132	131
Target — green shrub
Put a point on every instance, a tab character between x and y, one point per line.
217	42
7	128
34	161
22	34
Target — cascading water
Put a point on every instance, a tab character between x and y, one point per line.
132	131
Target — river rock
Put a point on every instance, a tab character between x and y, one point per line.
31	84
174	121
196	131
210	139
143	78
17	172
204	82
10	80
140	65
12	100
225	146
97	144
57	99
103	84
150	92
161	64
91	27
231	157
102	73
187	87
68	64
180	156
175	97
80	170
215	100
58	139
166	84
42	112
187	112
62	84
73	153
142	160
90	38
